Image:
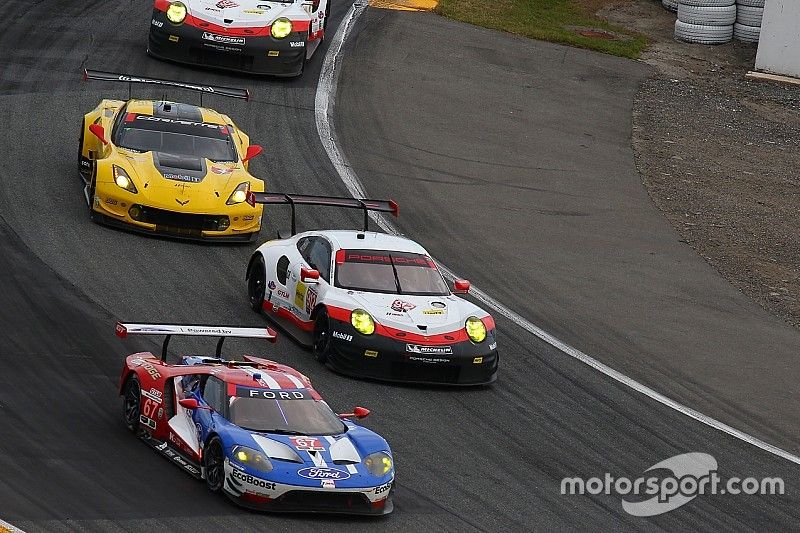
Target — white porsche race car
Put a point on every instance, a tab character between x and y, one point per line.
370	304
256	36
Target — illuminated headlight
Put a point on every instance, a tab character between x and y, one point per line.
122	180
252	458
476	329
239	194
362	321
281	28
378	464
176	12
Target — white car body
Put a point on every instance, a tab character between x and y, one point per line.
418	337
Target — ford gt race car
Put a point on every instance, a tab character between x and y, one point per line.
163	167
257	36
253	429
370	304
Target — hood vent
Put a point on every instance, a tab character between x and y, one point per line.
183	162
422	328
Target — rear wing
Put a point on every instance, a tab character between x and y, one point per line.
123	329
231	92
385	206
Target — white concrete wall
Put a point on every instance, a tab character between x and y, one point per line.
779	44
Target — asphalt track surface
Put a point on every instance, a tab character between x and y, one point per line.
478	459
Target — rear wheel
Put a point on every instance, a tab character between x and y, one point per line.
322	337
257	285
131	402
214	462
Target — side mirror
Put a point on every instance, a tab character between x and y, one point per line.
190	403
461	286
309	275
252	151
98	132
358	412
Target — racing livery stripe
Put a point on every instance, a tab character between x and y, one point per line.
241	31
296	382
266	380
450	337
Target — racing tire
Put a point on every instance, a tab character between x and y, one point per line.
132	403
750	3
670	5
257	284
322	337
747	34
750	15
701	34
708	16
214	463
708	3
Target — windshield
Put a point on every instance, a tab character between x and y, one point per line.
146	133
389	272
288	412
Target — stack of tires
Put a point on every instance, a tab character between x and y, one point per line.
705	21
672	5
748	20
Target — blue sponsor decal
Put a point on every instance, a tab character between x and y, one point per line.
322	473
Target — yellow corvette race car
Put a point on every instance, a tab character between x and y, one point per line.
168	168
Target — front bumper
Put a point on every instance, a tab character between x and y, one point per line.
114	209
389	359
258	54
263	495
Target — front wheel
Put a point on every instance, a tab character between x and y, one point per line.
131	403
214	462
256	285
322	337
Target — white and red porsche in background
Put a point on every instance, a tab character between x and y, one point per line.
257	36
370	304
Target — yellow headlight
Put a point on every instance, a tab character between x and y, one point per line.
476	330
176	12
378	464
281	28
122	179
239	194
362	321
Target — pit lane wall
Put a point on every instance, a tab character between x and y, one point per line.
779	44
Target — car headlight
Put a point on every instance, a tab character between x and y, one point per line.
476	329
239	194
176	12
378	464
281	28
252	458
362	321
122	179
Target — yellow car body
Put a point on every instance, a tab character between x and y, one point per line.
154	179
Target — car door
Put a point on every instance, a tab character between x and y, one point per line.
213	394
315	253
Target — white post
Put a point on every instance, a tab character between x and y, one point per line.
779	43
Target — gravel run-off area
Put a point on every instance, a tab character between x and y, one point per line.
720	156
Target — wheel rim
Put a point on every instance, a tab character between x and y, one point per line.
256	286
321	336
214	466
132	397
